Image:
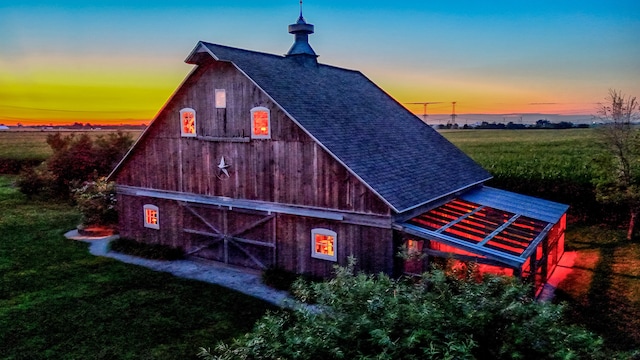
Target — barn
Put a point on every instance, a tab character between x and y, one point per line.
260	160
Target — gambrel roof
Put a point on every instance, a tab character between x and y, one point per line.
399	157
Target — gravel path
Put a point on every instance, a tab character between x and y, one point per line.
241	281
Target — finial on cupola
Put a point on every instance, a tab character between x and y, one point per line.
301	31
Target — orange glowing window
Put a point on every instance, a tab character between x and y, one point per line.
151	216
324	244
188	122
260	123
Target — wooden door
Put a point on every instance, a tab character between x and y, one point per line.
237	237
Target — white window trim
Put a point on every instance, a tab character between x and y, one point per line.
320	231
261	108
223	103
144	216
195	122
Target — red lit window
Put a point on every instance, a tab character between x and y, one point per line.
151	216
188	122
260	123
324	244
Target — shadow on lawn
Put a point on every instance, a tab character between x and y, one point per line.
598	295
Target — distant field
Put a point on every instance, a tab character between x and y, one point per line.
551	154
28	145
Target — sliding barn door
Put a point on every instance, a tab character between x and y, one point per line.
236	237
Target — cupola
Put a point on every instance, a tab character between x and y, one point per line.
301	31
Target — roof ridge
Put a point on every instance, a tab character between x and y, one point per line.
283	57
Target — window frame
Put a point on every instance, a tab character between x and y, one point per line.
195	128
260	109
147	224
324	232
220	103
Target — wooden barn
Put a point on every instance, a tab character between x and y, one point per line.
261	160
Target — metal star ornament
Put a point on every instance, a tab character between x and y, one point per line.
222	169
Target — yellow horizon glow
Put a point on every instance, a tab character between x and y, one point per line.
131	90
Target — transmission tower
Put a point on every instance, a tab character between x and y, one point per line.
453	113
424	113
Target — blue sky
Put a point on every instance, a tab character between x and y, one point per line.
121	60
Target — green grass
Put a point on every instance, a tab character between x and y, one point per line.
59	302
603	290
543	154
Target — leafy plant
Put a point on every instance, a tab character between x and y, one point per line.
96	201
444	315
77	159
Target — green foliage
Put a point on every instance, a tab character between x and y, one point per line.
147	251
34	180
444	315
76	159
96	201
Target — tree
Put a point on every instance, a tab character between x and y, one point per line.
442	315
618	179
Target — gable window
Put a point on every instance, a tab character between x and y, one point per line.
324	244
221	98
188	122
260	123
151	219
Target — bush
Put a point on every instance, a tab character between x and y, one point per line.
33	181
96	201
444	315
77	159
147	251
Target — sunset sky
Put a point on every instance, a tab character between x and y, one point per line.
119	61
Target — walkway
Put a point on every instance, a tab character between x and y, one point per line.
245	282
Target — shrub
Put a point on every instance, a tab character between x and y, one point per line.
34	181
77	159
96	201
444	315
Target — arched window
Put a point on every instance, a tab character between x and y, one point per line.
324	244
188	122
260	123
151	216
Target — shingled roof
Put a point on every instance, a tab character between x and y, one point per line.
391	150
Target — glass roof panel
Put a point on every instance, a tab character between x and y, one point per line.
482	227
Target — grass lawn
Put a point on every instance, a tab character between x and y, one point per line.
59	302
603	290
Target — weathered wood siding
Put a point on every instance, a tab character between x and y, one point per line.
131	216
288	168
372	247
